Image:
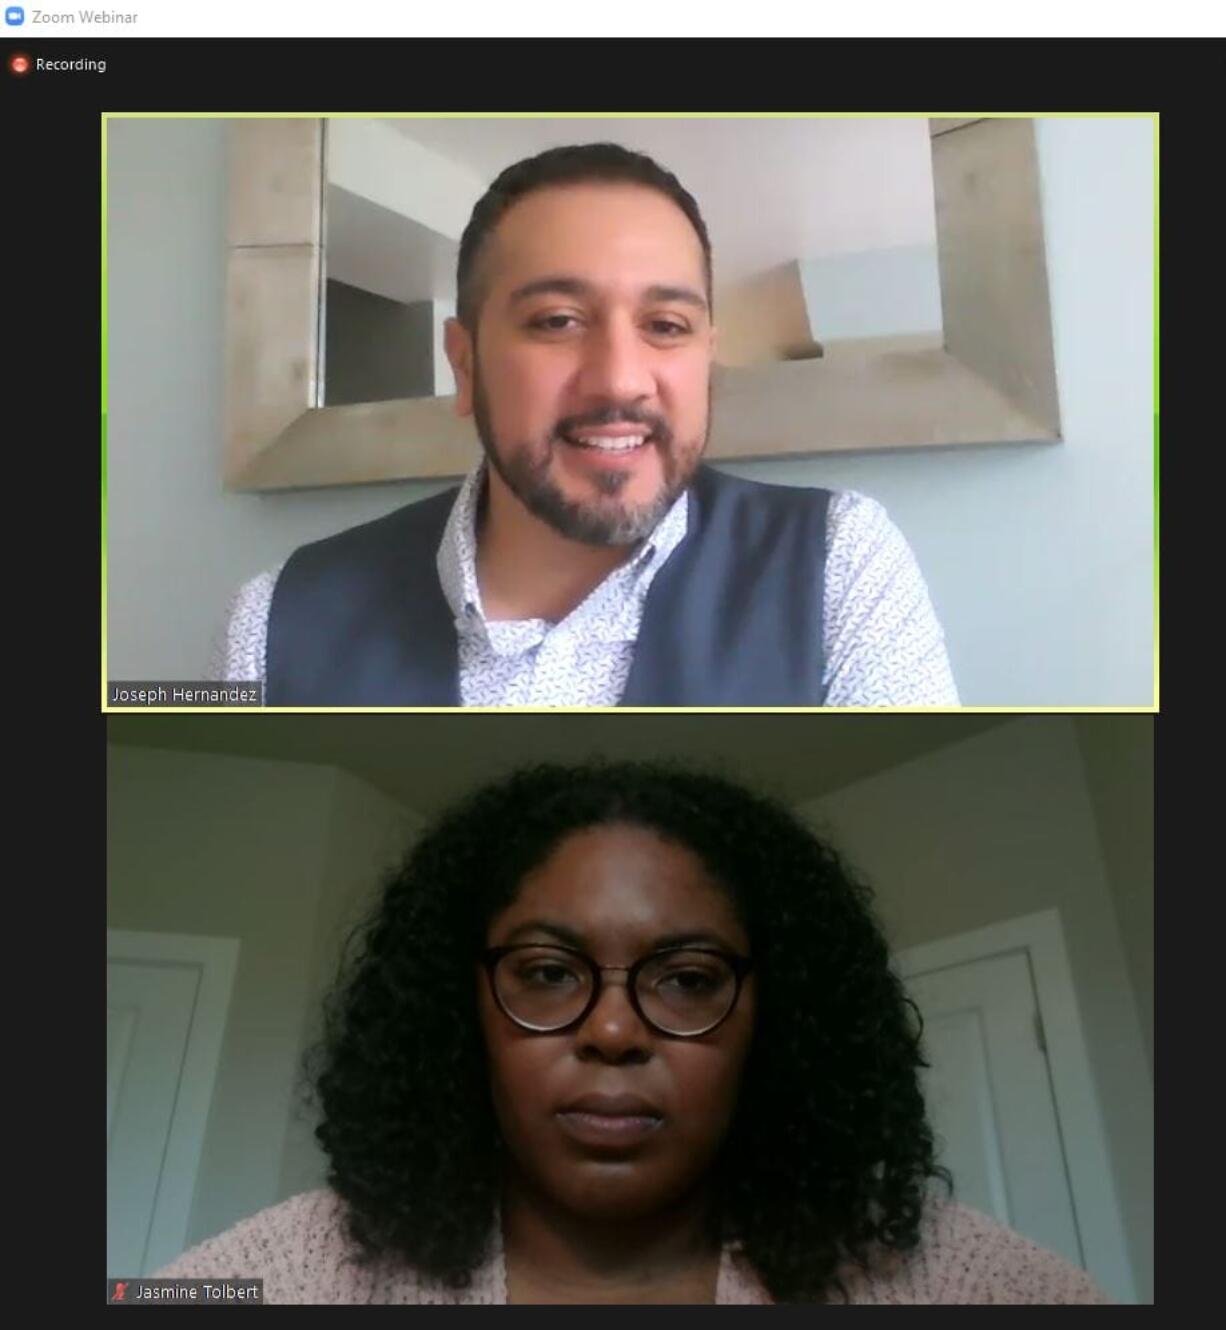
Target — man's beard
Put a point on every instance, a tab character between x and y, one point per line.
591	523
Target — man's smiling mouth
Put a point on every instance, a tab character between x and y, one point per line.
610	438
628	444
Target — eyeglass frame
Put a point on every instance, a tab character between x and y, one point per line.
741	966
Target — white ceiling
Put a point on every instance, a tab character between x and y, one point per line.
770	190
425	761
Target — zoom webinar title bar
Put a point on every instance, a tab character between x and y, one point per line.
629	18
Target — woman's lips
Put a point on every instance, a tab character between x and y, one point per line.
609	1129
610	1120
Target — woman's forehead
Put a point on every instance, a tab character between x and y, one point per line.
621	883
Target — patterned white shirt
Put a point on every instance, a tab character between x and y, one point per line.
881	640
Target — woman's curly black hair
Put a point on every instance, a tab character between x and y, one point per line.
830	1153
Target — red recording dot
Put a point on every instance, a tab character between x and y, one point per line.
18	63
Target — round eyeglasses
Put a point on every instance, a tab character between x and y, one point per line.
680	991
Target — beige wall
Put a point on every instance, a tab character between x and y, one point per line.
1119	763
264	852
367	834
1000	826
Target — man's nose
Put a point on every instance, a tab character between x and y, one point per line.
617	363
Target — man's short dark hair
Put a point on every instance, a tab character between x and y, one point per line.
571	165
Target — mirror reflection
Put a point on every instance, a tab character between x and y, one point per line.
822	230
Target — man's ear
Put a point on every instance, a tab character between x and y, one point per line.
460	351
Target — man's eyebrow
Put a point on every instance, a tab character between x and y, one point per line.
682	295
557	285
576	286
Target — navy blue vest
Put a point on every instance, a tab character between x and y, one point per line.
732	619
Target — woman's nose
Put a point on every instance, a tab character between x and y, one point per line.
613	1030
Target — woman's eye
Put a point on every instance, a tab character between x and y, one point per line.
690	981
548	975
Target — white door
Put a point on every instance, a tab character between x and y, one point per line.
148	1020
166	1003
989	1092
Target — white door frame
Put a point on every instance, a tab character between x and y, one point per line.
217	959
1086	1156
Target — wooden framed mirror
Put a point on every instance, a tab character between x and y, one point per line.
821	352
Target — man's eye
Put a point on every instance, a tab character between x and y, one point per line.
668	328
554	322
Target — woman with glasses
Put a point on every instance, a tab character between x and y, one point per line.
626	1034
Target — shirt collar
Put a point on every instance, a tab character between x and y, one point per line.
626	587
